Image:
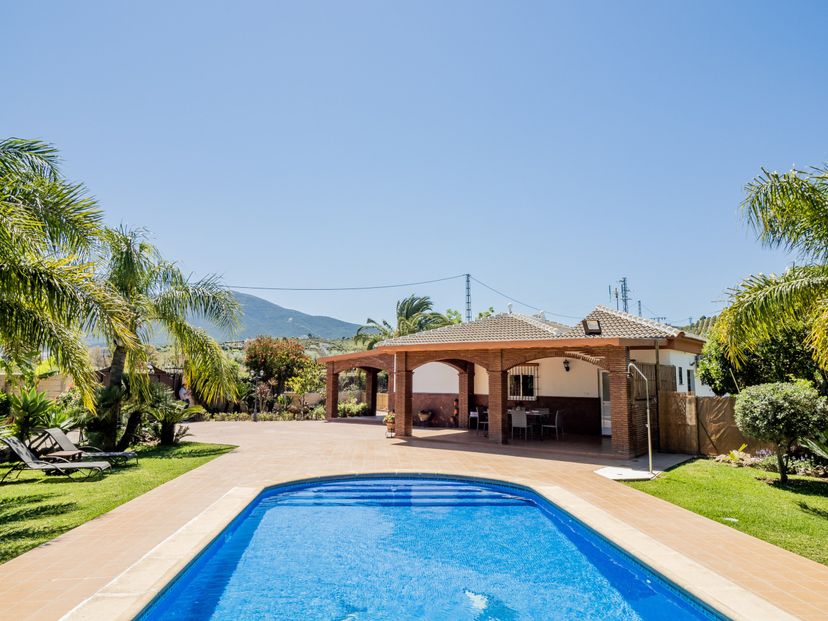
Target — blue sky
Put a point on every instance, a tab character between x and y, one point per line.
547	148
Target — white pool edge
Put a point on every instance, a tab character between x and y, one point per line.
124	597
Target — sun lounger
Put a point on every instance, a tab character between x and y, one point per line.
28	461
86	452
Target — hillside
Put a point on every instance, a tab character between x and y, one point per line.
701	326
263	317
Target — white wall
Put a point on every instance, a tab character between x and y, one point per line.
580	381
481	380
436	377
682	359
553	380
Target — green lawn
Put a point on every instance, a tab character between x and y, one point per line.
793	516
36	508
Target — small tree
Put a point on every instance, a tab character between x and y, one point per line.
781	413
782	356
310	378
272	359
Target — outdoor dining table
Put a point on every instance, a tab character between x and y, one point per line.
539	419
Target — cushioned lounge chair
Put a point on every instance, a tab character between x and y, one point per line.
87	452
28	461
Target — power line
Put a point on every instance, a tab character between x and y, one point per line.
405	284
508	297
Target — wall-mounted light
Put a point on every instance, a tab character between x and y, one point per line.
566	365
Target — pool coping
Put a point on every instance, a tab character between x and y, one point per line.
128	594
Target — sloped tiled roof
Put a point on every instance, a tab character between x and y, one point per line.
516	327
617	324
502	327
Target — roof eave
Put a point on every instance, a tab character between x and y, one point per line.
557	343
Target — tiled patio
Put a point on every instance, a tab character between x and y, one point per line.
753	579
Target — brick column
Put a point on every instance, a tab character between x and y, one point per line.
404	417
623	431
498	391
371	390
391	402
465	394
331	393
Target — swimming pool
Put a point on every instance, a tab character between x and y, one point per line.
422	547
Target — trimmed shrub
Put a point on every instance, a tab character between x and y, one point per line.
781	413
352	408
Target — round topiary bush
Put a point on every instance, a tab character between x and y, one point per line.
781	413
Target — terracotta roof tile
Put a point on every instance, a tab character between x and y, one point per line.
516	327
617	324
502	327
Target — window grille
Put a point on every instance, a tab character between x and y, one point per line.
523	382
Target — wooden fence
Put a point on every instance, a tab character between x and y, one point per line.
53	386
382	401
701	425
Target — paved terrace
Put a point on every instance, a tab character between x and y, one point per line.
111	566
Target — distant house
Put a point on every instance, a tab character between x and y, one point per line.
509	359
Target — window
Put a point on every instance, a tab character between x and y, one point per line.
592	326
523	383
691	381
681	376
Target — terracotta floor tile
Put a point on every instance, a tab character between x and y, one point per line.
38	586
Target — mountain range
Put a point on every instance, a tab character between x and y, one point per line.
263	317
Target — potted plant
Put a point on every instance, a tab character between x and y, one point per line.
389	421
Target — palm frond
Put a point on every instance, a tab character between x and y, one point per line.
205	298
68	291
207	371
130	260
21	155
23	328
764	302
818	333
790	210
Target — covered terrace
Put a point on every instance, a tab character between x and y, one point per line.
601	344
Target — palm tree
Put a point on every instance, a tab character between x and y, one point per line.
414	314
787	210
160	296
48	291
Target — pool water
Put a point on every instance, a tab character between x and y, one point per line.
414	548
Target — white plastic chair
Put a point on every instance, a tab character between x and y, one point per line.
556	425
519	422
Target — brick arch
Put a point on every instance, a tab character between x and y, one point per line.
458	365
379	362
460	360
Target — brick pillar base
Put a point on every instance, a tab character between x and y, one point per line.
331	393
498	422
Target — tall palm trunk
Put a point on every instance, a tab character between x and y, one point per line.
109	428
132	425
116	369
